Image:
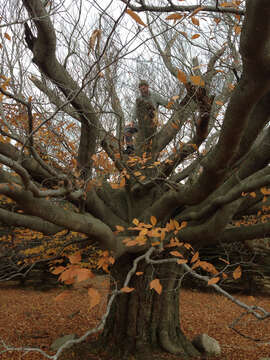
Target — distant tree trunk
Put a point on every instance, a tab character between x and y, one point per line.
143	321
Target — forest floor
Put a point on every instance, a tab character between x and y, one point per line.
35	319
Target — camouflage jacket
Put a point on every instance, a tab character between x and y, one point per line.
153	98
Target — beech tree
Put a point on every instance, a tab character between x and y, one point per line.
197	172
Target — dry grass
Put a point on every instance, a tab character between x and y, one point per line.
34	318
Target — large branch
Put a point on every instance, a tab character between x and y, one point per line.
32	166
173	7
244	233
51	212
253	86
43	48
32	222
247	176
54	98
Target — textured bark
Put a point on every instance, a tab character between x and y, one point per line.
143	322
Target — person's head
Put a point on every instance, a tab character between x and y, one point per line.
144	87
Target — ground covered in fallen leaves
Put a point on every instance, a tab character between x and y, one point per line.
34	319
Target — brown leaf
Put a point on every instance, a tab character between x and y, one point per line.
195	21
174	17
181	76
94	296
153	220
127	289
94	38
237	273
181	261
58	270
75	258
176	253
135	17
156	285
197	80
213	281
7	36
119	228
84	274
195	257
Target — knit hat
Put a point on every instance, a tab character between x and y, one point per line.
143	82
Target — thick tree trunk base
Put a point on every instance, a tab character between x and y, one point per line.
143	321
142	325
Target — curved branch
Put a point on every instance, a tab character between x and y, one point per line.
43	49
32	222
171	7
50	211
253	86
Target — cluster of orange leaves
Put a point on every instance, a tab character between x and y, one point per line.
148	231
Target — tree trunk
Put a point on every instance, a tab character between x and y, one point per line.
143	321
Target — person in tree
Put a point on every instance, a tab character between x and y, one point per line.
150	97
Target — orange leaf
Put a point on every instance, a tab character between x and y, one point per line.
237	273
219	103
208	267
156	285
127	289
195	257
195	21
197	80
94	296
197	264
213	281
7	36
122	182
153	220
227	4
174	17
119	228
68	276
176	253
75	258
143	232
94	38
58	270
139	273
84	274
135	17
135	221
265	191
237	29
195	36
181	261
181	76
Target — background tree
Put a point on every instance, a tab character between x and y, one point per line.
200	166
